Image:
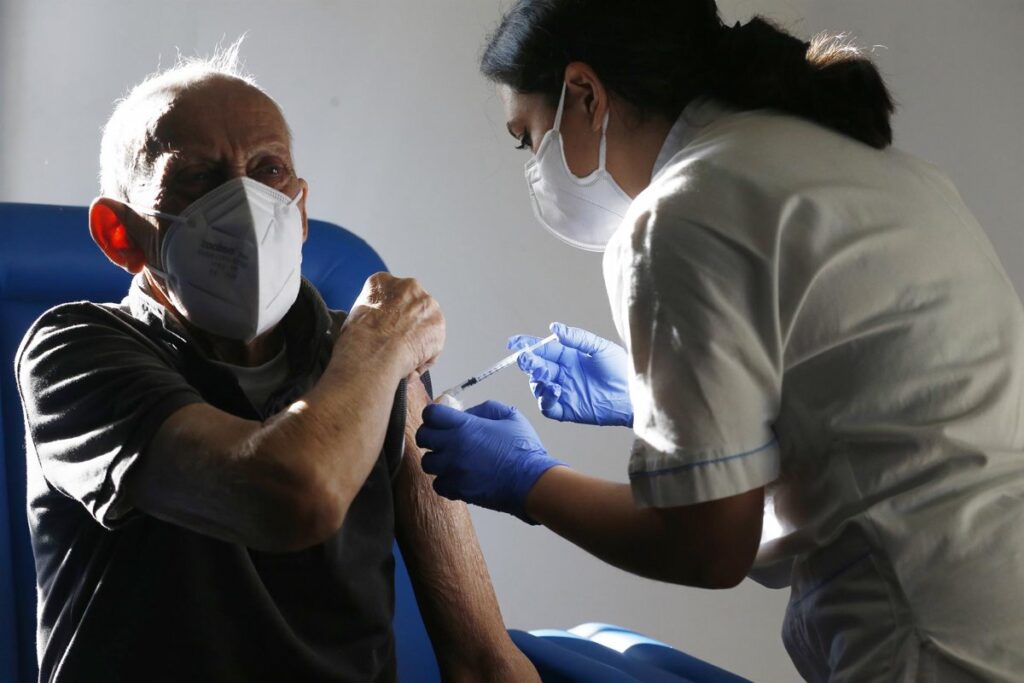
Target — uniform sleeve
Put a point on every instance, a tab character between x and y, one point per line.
695	306
94	393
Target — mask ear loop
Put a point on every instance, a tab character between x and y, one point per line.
152	212
561	108
603	147
171	218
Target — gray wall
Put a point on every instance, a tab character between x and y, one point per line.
404	143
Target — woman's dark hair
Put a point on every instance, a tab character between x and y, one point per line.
660	54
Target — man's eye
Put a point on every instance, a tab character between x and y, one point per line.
194	176
272	170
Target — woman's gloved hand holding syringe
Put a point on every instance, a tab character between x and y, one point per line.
490	455
581	378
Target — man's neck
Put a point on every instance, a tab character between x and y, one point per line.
259	351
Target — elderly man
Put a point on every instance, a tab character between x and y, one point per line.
209	497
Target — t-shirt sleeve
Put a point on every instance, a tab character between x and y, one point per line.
694	305
94	393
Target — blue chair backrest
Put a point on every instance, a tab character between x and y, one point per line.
47	258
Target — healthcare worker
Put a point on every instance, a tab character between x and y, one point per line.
811	319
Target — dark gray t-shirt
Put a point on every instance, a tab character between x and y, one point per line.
127	597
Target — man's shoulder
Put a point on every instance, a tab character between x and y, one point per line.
75	325
77	313
82	312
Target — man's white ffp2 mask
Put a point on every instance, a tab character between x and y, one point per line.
584	212
231	262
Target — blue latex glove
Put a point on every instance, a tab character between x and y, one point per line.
488	455
580	378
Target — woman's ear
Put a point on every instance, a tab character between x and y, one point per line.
109	226
583	83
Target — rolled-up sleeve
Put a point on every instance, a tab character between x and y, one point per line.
94	394
695	307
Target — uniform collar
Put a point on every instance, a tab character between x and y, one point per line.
695	116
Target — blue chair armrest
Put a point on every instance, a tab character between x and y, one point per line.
640	648
599	653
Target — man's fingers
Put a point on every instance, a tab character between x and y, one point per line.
400	310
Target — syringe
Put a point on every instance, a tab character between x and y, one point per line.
500	365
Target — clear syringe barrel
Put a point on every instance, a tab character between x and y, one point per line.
499	366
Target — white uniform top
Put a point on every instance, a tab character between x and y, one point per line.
806	312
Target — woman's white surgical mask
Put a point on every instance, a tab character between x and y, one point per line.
584	212
231	262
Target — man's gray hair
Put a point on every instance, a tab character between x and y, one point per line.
126	152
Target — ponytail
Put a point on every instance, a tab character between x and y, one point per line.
658	55
827	80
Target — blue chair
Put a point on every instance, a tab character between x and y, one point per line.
48	258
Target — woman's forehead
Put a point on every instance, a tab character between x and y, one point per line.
521	107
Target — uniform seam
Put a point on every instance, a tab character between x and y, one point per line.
702	463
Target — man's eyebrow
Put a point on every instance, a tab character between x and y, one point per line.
277	146
181	156
187	154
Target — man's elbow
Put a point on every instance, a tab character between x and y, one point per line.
304	514
315	518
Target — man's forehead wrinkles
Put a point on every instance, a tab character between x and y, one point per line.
225	151
219	124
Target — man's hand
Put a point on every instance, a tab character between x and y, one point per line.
394	320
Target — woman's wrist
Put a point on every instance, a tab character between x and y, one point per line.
546	489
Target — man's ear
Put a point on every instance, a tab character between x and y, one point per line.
302	209
108	225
